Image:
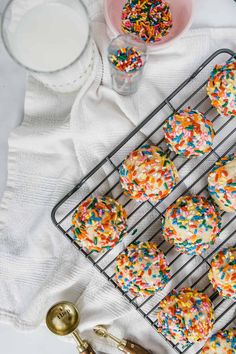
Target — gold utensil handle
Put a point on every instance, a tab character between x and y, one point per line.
132	348
88	350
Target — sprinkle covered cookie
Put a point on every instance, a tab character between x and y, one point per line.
142	269
221	88
147	173
223	342
151	20
223	273
99	223
222	183
189	133
192	224
185	317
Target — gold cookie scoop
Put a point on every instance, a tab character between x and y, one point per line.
123	345
63	319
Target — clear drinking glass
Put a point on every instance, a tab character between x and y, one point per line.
45	36
126	83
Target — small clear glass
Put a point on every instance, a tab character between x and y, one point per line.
126	83
45	36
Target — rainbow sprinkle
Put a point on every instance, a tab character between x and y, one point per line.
148	174
222	183
221	88
192	224
151	20
189	133
223	342
127	59
185	317
99	223
223	273
142	269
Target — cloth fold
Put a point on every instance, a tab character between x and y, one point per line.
61	138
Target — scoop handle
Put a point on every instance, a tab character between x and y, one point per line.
88	350
133	348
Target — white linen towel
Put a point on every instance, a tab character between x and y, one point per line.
61	138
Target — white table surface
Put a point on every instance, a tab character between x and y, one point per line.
208	13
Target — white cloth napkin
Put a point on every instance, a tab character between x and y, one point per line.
61	138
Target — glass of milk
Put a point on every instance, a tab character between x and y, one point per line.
45	36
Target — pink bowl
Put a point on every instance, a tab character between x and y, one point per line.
182	11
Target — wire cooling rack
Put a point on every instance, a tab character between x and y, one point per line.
144	218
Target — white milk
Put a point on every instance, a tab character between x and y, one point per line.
50	36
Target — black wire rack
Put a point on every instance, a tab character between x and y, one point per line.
144	218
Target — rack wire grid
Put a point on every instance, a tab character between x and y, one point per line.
144	218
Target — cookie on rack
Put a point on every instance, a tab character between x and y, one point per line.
99	223
189	133
142	269
192	224
222	183
223	342
221	88
185	317
223	273
147	173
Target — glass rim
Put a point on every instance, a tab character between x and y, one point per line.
132	36
138	41
4	40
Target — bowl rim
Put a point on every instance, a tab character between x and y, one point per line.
155	47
